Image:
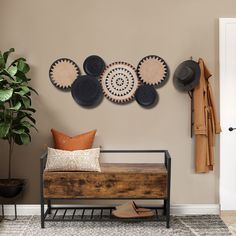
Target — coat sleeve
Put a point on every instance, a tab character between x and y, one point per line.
199	99
214	112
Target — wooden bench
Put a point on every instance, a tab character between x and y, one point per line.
115	181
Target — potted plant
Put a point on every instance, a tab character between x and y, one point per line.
16	113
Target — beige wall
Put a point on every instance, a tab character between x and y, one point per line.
126	30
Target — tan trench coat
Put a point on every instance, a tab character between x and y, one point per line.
206	122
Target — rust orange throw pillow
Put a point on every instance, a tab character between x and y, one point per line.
78	142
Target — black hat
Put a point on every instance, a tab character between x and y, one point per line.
146	96
187	75
86	90
94	65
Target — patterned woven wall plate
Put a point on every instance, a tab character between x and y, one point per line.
63	72
152	70
119	82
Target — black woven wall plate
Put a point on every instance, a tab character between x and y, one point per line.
86	91
63	72
146	96
94	65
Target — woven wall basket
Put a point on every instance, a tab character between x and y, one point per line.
63	72
153	70
119	82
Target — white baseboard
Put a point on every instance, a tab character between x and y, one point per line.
176	209
195	209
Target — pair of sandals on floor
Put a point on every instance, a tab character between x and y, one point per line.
130	210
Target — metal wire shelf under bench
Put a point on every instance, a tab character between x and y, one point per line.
103	213
93	214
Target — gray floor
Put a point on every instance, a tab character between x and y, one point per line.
187	225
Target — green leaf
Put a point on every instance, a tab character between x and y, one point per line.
26	101
25	89
12	70
23	67
25	139
29	109
4	129
21	93
7	53
17	60
33	90
17	139
20	76
5	94
2	62
31	118
27	124
21	115
19	131
15	81
16	107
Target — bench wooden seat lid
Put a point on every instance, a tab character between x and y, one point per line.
131	168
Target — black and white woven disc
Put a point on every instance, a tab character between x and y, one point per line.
119	82
63	72
153	70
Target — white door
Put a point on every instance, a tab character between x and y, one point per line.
228	113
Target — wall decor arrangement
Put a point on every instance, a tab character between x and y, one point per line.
119	82
63	72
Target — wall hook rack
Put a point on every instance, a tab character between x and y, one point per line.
190	93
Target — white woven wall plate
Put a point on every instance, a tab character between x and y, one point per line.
119	82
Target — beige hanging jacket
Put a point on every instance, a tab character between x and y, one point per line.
206	122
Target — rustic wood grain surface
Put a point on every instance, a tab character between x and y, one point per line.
115	181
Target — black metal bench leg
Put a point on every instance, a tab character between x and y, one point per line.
42	163
49	206
167	201
15	212
167	209
42	213
3	214
164	208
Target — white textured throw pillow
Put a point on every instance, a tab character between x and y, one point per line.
79	160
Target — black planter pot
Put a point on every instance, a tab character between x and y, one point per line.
11	188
